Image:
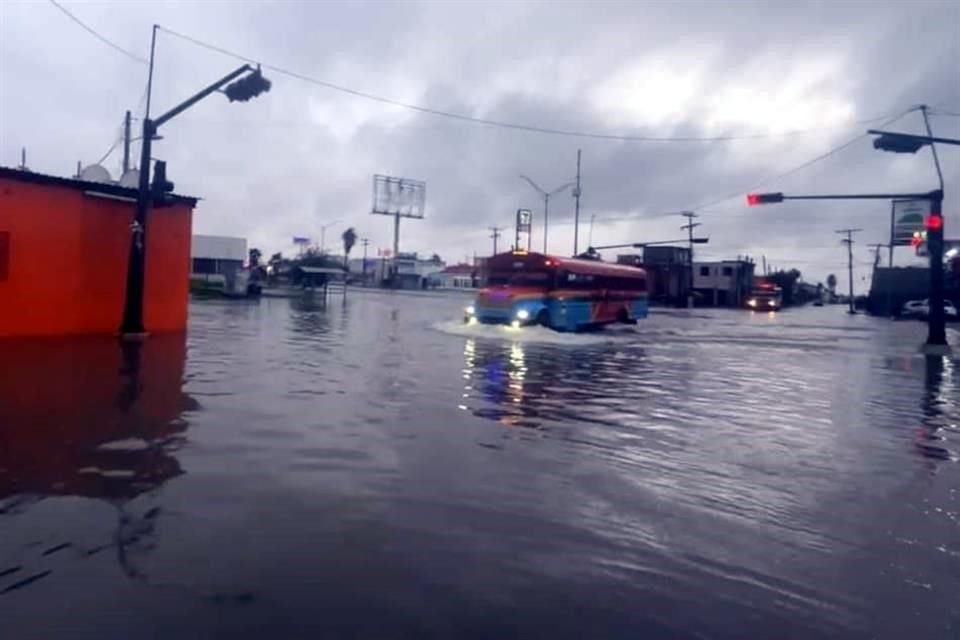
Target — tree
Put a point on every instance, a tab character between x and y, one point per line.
254	255
349	239
832	284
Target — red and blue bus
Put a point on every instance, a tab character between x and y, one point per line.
565	294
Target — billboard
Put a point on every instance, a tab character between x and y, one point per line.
401	197
907	218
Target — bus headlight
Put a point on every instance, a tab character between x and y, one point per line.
470	310
523	314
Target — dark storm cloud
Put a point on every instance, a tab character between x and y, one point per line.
302	155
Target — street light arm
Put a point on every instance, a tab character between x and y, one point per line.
534	185
189	102
559	189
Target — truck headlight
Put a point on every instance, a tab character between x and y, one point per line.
470	310
523	314
751	302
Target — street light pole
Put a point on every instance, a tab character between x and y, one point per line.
546	203
323	235
131	325
576	208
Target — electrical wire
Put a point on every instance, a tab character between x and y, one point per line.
740	193
112	147
498	123
96	35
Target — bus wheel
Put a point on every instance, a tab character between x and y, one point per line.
543	318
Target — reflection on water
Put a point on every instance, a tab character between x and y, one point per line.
940	407
370	467
90	418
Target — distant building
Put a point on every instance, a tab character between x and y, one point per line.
408	271
221	255
458	276
668	270
725	283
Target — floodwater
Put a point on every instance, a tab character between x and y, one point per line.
372	468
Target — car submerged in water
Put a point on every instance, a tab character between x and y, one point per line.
564	294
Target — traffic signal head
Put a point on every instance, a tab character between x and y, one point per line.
161	188
898	143
249	86
934	222
753	199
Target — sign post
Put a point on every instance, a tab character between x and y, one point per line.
524	226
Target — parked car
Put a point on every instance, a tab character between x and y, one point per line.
922	308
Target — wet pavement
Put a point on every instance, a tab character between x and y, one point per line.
375	469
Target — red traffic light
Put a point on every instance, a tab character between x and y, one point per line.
934	222
753	199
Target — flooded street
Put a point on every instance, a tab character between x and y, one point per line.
373	468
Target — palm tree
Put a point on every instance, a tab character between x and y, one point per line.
349	239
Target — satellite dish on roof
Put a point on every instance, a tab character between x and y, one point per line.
130	179
95	173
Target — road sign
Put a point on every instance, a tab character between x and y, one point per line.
908	217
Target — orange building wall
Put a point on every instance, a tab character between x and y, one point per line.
67	262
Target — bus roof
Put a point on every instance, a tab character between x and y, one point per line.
505	262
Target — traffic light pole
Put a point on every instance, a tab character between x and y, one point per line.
937	334
132	327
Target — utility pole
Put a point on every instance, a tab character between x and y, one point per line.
576	209
495	234
126	143
365	242
690	226
876	253
849	242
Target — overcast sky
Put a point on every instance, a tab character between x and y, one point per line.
302	155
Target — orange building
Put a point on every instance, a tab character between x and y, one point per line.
64	246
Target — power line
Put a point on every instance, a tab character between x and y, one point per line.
497	123
800	167
96	35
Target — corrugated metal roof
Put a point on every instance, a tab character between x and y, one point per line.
82	185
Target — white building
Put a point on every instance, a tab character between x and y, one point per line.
725	283
216	260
